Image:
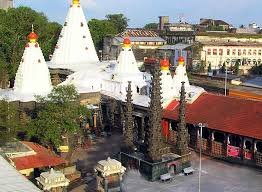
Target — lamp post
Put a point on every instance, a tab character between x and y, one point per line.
227	61
201	125
101	54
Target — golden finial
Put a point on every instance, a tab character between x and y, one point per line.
76	2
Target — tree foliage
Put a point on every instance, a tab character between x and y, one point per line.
119	20
236	67
100	29
58	117
109	27
9	121
151	26
15	25
256	70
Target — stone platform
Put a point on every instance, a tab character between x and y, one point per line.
170	163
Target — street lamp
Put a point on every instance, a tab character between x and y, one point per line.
201	125
101	54
228	60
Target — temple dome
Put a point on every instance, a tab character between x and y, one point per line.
164	64
127	41
32	36
181	60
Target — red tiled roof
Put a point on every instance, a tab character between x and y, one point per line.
227	114
42	158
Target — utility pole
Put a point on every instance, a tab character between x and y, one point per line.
201	125
227	61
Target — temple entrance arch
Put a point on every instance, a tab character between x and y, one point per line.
172	168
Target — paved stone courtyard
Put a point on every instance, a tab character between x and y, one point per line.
217	176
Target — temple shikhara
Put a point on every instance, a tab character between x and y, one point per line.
157	113
75	46
32	77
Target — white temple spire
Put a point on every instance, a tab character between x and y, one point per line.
180	74
126	62
167	88
75	46
33	76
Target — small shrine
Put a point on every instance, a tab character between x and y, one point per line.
53	181
109	175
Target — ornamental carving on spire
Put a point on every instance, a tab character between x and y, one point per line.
154	138
182	134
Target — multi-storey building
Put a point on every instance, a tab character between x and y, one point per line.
218	53
5	4
217	49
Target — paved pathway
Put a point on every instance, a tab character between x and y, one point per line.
217	176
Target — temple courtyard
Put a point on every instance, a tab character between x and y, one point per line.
217	176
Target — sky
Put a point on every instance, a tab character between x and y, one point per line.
141	12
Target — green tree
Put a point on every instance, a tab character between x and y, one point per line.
100	29
15	25
236	67
58	117
223	68
200	68
209	69
119	20
9	121
256	70
151	26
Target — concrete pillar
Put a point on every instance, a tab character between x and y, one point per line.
210	141
106	184
95	119
143	128
227	142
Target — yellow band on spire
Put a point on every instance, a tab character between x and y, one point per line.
76	2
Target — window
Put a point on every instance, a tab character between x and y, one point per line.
234	52
249	52
239	52
214	51
209	52
254	52
220	51
259	52
228	51
244	52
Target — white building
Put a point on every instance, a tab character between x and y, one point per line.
5	4
218	53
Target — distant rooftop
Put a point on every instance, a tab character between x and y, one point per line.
138	33
174	47
142	39
231	43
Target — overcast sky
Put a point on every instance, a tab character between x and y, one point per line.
140	12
